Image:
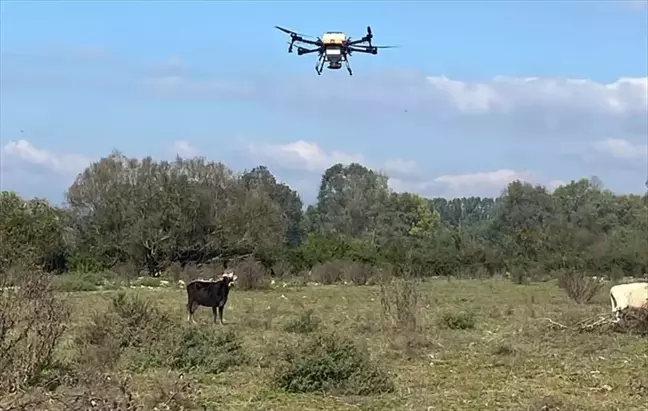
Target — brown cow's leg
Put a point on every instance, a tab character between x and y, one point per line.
220	314
214	312
191	308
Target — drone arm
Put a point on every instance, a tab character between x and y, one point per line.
301	51
366	50
305	41
362	40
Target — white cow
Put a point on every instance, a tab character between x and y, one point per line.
628	295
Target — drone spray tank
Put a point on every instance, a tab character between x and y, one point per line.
334	41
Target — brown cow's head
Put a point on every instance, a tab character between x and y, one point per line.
230	277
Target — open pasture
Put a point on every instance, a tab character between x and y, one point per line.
476	345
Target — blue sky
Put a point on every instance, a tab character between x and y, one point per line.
480	93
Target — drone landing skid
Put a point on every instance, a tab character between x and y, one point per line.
348	67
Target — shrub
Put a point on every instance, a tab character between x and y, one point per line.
579	286
356	272
140	322
305	324
174	271
458	320
331	363
211	351
32	321
130	326
105	392
329	272
73	283
144	336
399	299
98	344
190	272
251	275
126	270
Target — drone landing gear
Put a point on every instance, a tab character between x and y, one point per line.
320	65
348	67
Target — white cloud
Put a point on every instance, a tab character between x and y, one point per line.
506	94
488	183
404	175
499	95
302	155
489	180
183	148
621	149
398	165
63	164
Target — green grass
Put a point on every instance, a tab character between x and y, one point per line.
496	353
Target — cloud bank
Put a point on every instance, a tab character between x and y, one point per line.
588	125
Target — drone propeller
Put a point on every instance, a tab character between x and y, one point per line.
385	47
293	33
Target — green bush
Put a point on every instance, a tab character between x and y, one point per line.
331	363
458	320
205	348
306	323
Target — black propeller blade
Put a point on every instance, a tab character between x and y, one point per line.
293	33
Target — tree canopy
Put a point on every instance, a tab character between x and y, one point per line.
152	214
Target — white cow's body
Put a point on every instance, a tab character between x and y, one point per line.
623	296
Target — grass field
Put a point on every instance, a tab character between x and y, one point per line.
500	354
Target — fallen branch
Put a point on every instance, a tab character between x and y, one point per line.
586	324
552	322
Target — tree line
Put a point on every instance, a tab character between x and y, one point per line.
152	214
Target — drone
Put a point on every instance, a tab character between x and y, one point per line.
333	48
